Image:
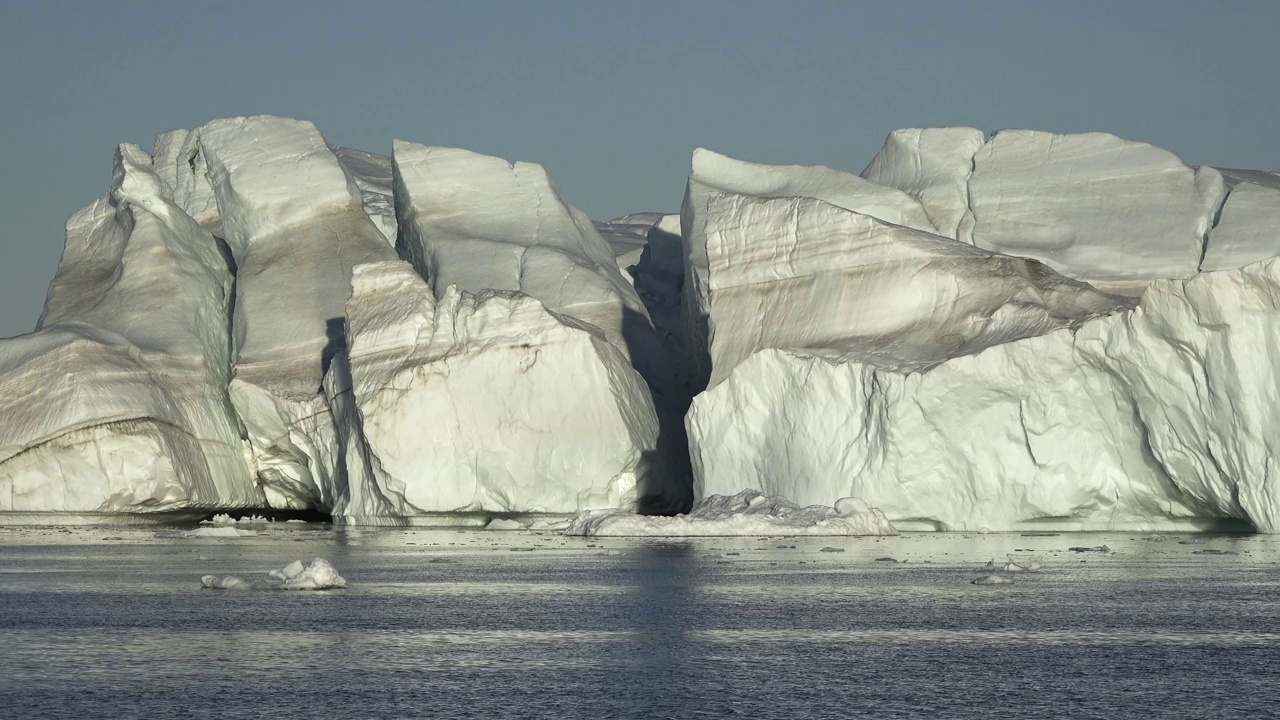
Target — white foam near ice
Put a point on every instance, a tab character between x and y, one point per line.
748	513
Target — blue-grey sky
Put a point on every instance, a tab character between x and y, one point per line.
610	97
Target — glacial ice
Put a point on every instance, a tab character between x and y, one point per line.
466	405
1247	229
112	406
254	318
746	513
1114	212
798	272
295	222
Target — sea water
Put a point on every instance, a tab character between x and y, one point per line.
113	623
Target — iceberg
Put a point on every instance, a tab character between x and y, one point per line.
118	402
748	513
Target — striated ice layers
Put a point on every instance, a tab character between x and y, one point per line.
1015	331
960	391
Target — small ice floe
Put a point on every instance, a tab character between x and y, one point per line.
1017	564
993	579
1094	549
319	575
504	524
888	559
225	519
831	549
1211	551
206	532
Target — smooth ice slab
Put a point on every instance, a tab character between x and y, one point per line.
1248	228
1093	206
933	165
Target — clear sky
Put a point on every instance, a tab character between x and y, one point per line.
610	97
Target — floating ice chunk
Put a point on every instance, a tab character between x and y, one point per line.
748	513
504	524
319	575
993	579
1093	549
549	525
225	582
288	572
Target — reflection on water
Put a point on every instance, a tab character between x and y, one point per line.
112	623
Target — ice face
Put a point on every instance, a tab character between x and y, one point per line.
798	272
114	405
1153	419
489	402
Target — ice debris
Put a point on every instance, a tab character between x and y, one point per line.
319	575
749	512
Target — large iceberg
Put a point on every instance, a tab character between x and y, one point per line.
119	403
956	389
1027	330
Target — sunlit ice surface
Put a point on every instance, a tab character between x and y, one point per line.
112	622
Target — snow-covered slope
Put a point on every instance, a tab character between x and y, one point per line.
489	402
119	401
1162	417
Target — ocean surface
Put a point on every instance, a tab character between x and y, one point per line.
112	623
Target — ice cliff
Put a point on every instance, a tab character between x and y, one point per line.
1067	410
1022	330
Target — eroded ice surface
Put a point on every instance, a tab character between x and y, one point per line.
464	407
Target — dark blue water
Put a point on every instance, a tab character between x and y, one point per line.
439	624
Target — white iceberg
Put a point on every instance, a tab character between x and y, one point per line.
119	401
749	513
